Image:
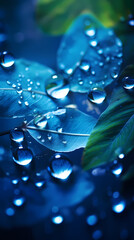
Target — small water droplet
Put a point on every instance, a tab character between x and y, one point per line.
15	181
90	32
17	135
59	129
96	95
8	82
119	206
49	136
114	73
60	166
40	183
57	219
6	59
85	66
26	103
131	22
128	83
19	201
93	43
14	85
23	157
57	87
92	220
40	121
116	168
25	178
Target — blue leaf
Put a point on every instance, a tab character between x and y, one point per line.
22	90
90	55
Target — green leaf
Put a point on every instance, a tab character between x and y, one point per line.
114	129
55	16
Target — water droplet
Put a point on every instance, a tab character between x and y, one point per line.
93	43
92	220
8	82
15	181
19	201
60	166
6	59
25	178
117	168
119	206
40	121
121	155
90	32
40	183
17	135
59	129
57	219
114	73
96	95
85	66
128	83
49	137
57	87
10	211
14	85
23	156
80	82
60	111
69	71
26	103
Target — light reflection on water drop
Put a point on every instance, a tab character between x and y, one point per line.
96	95
60	166
57	87
57	219
6	59
119	207
23	157
19	201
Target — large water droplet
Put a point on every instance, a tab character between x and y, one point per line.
57	87
85	66
17	135
57	219
19	201
40	121
128	83
96	95
60	166
92	220
6	59
23	156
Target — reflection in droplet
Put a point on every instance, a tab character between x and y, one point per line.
57	87
19	201
92	220
40	121
23	156
60	166
57	219
6	59
128	82
17	135
96	95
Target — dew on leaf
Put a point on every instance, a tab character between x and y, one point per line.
90	32
23	156
93	43
49	136
60	166
6	59
17	135
25	178
57	87
96	95
15	181
114	73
